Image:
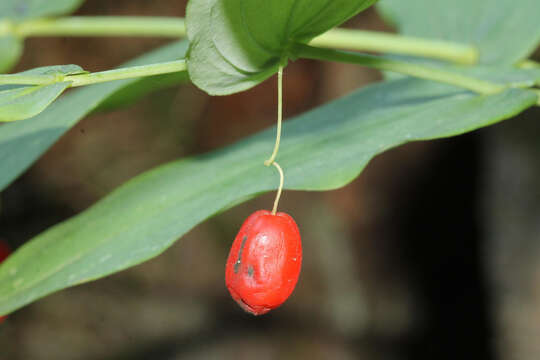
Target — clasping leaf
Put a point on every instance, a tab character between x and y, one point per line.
236	44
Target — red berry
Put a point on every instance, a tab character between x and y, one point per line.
264	262
4	252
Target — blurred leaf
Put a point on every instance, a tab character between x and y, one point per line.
505	31
141	88
16	10
10	51
323	149
37	134
24	9
23	102
508	75
69	69
27	101
236	44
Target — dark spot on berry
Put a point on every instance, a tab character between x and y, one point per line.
250	271
239	261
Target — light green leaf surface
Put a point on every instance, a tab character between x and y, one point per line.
323	149
236	44
10	51
508	75
37	134
26	101
23	102
54	70
505	31
25	9
45	74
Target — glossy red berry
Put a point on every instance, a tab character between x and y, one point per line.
264	262
4	253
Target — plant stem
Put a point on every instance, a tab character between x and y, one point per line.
175	27
416	70
391	43
102	26
98	77
271	160
280	188
127	73
279	118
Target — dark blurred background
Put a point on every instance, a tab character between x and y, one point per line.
432	253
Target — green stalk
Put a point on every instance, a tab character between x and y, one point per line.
391	43
98	77
416	70
102	26
175	27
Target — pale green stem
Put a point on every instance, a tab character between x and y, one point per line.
127	73
361	40
416	70
280	188
102	26
98	77
271	160
175	27
279	118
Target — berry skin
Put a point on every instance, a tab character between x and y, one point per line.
264	262
4	252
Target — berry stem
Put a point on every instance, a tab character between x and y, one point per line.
278	195
271	160
279	117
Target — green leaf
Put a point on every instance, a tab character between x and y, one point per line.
55	70
505	31
10	51
18	102
508	75
236	44
323	149
25	9
37	134
23	102
141	88
45	73
26	101
16	10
